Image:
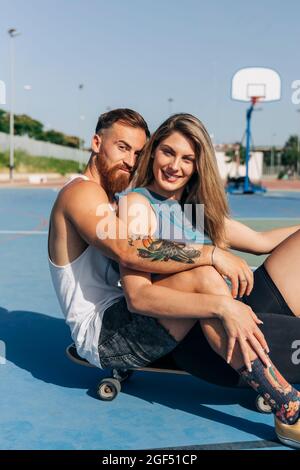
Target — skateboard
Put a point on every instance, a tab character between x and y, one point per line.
109	387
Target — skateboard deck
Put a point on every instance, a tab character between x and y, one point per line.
165	364
109	387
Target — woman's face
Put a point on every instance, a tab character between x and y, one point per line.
174	164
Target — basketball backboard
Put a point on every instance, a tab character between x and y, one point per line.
256	84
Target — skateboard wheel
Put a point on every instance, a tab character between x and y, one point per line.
108	389
262	405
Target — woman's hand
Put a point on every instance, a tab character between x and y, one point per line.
235	269
241	324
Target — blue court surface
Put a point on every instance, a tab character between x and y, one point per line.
47	402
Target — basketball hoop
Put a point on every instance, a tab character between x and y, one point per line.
255	99
253	85
256	82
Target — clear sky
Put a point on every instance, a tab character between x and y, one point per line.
140	53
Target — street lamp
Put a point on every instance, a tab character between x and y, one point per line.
272	153
27	89
12	33
81	119
170	100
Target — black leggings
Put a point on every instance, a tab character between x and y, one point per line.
281	329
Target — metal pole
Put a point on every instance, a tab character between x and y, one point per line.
12	33
273	153
11	117
272	160
80	88
278	162
248	136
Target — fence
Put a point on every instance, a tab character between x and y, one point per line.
38	148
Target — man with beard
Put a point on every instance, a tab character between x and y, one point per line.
84	264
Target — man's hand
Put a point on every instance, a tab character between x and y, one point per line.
235	269
241	324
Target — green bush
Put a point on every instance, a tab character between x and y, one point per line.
25	125
29	164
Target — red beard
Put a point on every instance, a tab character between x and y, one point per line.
112	179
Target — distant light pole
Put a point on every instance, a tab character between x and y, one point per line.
278	162
170	101
272	154
81	118
12	33
27	88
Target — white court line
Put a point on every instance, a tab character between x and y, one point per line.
23	232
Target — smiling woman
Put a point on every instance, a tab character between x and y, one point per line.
179	166
182	152
173	165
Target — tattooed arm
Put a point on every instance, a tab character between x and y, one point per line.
228	265
86	208
85	211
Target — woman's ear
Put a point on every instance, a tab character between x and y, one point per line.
96	143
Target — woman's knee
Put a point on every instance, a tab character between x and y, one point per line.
206	279
177	327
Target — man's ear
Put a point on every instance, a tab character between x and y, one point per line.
96	143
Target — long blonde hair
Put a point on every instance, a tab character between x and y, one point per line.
205	186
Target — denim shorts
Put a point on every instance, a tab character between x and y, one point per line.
129	340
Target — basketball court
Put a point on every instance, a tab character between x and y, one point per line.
47	402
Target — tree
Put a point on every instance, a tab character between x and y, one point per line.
72	141
290	154
54	137
4	121
25	125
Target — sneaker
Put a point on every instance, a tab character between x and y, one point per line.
288	434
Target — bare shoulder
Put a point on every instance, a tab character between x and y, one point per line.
143	219
137	198
81	195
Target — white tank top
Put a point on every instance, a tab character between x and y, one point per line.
85	288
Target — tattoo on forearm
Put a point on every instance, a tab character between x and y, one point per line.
165	250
